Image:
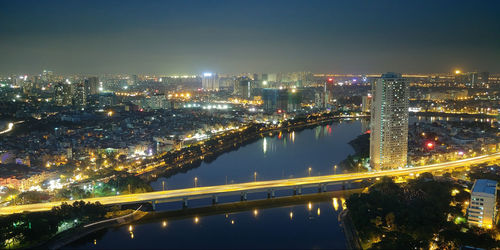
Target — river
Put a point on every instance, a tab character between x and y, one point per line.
285	154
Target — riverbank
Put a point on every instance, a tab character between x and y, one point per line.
227	208
207	151
464	115
351	236
71	235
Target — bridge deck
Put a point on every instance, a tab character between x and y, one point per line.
259	186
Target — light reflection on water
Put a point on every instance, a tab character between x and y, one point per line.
287	154
308	225
284	155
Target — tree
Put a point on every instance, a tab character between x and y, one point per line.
30	197
407	214
10	193
396	240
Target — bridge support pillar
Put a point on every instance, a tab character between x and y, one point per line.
321	188
215	199
343	185
270	193
243	196
184	202
153	203
349	184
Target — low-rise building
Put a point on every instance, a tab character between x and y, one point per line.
482	206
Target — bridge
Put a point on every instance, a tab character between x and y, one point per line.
271	186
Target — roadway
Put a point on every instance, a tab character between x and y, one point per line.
10	127
258	186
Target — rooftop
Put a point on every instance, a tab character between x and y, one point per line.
391	75
485	186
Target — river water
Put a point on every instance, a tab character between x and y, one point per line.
284	155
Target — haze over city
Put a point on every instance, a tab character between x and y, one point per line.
216	124
187	37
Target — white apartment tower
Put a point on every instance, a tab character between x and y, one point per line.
389	122
210	81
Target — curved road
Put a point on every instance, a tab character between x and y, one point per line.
10	125
259	186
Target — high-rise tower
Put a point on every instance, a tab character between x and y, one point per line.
389	122
80	98
63	94
210	81
92	85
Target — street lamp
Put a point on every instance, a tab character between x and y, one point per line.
255	176
195	181
335	169
310	171
163	185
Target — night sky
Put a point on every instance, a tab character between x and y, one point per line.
181	37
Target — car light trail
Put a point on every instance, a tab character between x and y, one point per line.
257	186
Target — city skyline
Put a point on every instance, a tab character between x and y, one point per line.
218	124
218	36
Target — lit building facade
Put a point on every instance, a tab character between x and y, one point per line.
482	205
63	94
389	122
367	103
243	87
155	102
80	95
92	85
210	81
